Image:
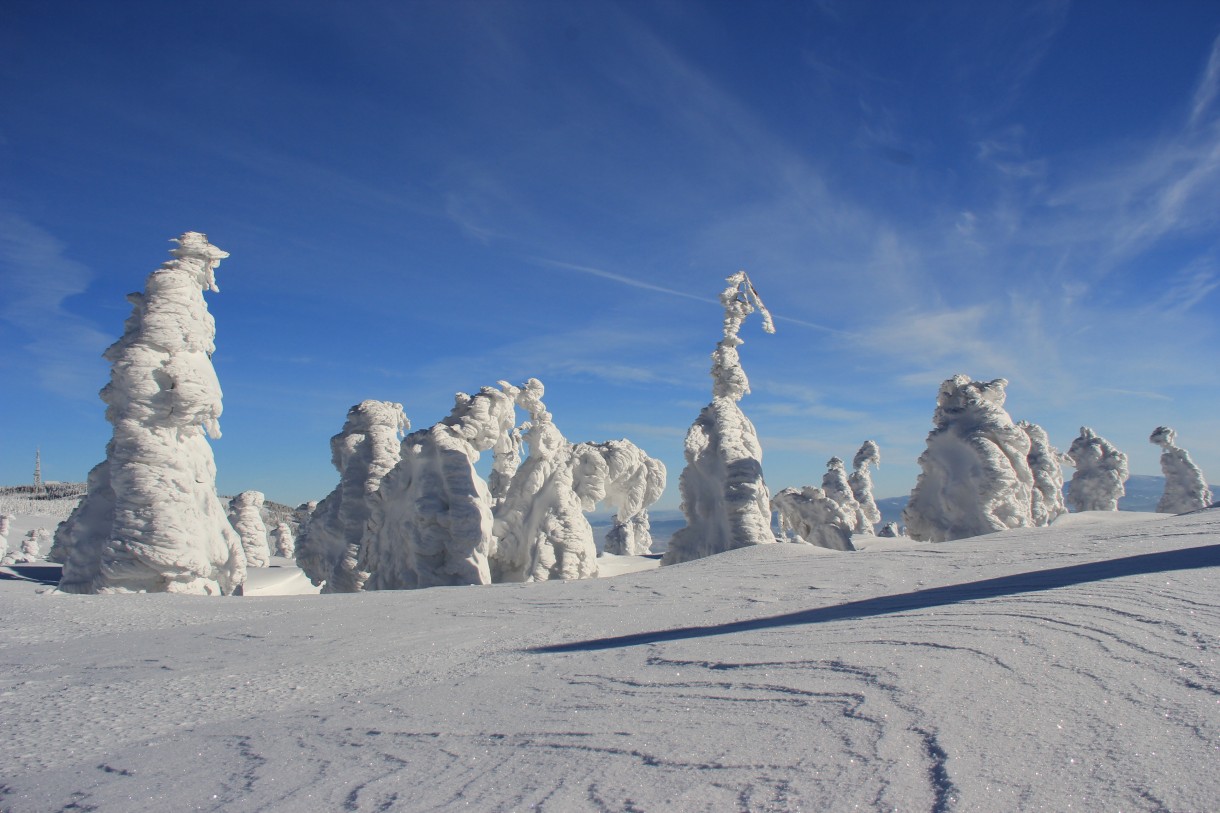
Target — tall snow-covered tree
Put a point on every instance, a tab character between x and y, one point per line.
836	486
975	477
1185	488
246	517
282	542
861	481
364	452
1101	472
506	459
724	496
813	516
1044	464
151	521
5	523
431	521
31	546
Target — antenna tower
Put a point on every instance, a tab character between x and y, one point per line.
38	470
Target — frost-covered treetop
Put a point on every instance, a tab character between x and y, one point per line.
1165	437
740	299
959	396
869	453
194	253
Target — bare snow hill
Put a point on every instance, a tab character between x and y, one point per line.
1065	668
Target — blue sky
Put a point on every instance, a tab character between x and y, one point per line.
425	197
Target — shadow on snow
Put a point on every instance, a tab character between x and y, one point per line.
1032	582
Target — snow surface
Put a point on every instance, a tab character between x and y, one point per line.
1061	668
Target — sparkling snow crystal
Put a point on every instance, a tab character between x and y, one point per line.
1101	471
1044	463
151	520
724	496
1185	488
975	475
861	482
363	453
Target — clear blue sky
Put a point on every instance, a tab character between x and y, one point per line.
425	197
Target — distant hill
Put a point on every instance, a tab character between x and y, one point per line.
1143	493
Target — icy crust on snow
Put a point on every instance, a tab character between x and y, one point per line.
430	523
724	496
811	515
151	520
541	529
975	476
363	453
861	482
1185	488
246	517
1047	503
1101	471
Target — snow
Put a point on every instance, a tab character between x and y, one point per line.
975	477
151	520
1185	488
1072	667
1101	470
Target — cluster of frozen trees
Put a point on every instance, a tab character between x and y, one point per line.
30	549
844	505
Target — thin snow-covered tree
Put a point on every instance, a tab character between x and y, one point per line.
5	523
1044	464
1101	472
506	459
724	496
364	452
861	481
246	517
836	486
813	516
282	542
975	477
431	521
31	546
635	481
541	530
1185	488
151	520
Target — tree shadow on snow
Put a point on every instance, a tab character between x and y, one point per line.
1032	582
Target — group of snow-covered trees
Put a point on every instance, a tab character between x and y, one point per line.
410	509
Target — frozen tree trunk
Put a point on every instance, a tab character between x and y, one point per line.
975	477
540	528
282	542
811	514
835	485
431	520
1044	463
363	453
1185	488
151	521
861	482
724	496
1101	472
246	517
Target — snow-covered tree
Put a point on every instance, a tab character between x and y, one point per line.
836	486
301	517
890	530
5	523
812	515
540	528
1101	471
367	449
282	541
151	521
1185	488
31	546
506	459
975	477
246	517
1044	464
635	481
861	482
431	521
724	496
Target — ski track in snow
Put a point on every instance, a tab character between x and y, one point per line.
1058	669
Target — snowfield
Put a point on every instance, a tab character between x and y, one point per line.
1064	668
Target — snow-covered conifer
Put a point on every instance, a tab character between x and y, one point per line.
540	527
1185	488
281	540
5	523
431	521
506	459
31	546
724	496
812	515
635	482
890	530
151	520
975	476
246	516
367	449
836	486
1101	471
1044	463
861	481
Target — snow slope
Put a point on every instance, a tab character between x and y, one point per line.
1062	668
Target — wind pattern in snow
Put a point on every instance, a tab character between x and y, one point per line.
1185	488
1101	471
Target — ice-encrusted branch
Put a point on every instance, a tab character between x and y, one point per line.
740	299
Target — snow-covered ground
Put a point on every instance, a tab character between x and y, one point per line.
1064	668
